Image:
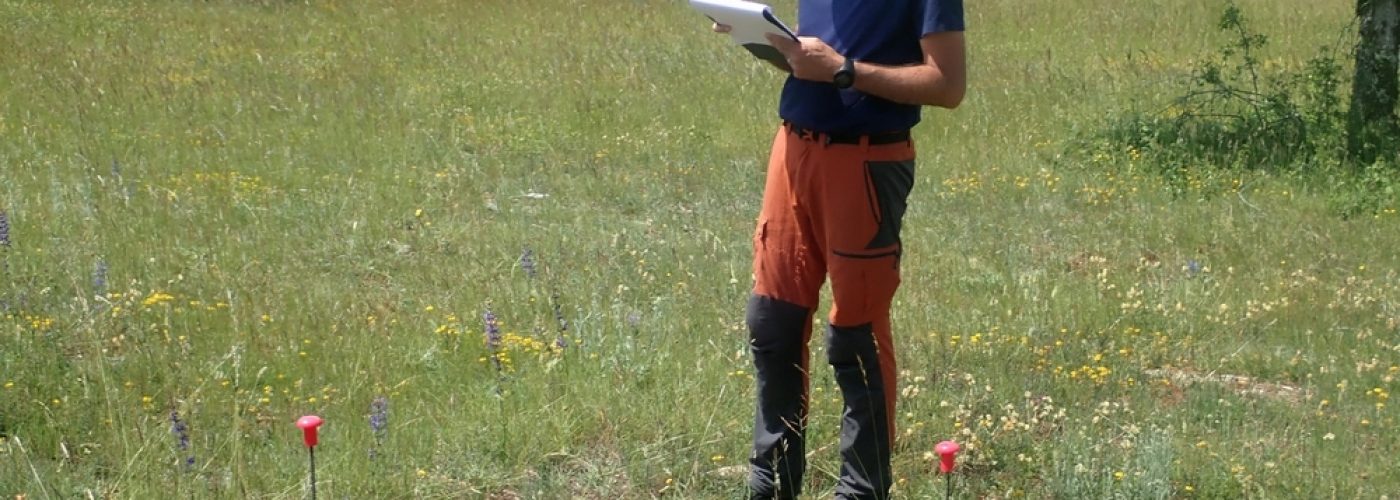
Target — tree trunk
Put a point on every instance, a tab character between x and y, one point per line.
1371	123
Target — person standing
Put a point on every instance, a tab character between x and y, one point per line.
839	176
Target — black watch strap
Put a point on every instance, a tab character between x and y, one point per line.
846	76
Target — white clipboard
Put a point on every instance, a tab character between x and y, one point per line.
748	23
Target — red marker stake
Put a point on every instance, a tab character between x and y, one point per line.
308	425
947	455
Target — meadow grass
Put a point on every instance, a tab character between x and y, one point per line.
234	213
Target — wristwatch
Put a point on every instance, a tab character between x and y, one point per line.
846	76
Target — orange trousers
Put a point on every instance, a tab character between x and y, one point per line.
829	210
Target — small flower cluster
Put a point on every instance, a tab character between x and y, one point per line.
493	339
4	229
1380	395
986	434
181	431
502	355
99	278
378	423
156	298
1097	375
35	322
196	183
504	349
994	177
448	328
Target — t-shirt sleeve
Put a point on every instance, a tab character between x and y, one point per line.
942	15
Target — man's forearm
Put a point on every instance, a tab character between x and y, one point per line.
940	79
919	84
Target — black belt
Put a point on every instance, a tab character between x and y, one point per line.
880	139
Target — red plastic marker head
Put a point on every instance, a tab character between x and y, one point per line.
308	426
947	451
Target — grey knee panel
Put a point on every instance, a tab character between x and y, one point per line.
775	325
852	345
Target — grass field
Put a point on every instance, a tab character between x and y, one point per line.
224	215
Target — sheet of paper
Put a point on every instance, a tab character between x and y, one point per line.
748	21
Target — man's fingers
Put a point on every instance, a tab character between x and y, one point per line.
782	43
721	28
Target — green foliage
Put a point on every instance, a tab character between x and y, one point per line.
1235	115
1373	190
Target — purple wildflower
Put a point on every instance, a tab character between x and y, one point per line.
99	278
493	337
378	422
4	229
182	436
379	416
493	330
527	263
1193	267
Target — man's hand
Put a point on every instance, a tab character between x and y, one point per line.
809	57
725	28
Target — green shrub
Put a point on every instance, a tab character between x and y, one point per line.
1235	116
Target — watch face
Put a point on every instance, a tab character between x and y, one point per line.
846	76
844	79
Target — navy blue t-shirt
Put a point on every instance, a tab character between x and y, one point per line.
876	31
